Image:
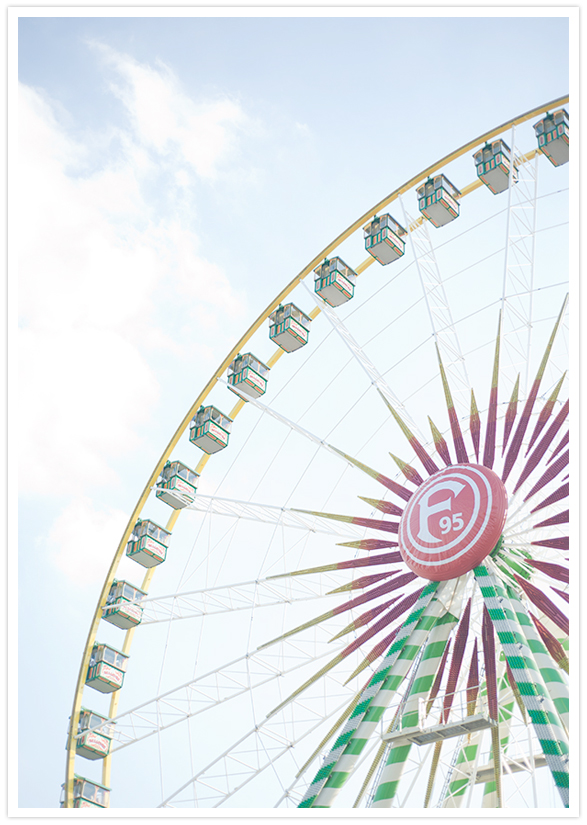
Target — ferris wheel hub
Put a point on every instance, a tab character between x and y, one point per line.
453	521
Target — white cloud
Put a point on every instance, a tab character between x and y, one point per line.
81	399
82	541
166	119
97	253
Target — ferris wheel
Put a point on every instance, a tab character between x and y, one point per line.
364	602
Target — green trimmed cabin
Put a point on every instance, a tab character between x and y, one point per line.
248	374
289	327
334	281
437	200
177	485
123	608
148	543
210	430
88	794
493	164
384	239
94	735
106	669
553	136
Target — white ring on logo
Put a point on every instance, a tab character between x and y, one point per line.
405	527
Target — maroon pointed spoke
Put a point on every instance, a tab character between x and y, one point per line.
456	662
543	603
409	472
384	558
438	678
558	543
473	681
384	621
375	593
542	446
381	647
440	443
385	506
490	666
372	544
558	495
545	413
518	437
559	518
457	436
365	581
475	426
396	488
426	459
551	643
359	521
549	568
510	415
377	524
372	613
551	473
563	443
561	593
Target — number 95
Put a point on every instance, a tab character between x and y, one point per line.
446	525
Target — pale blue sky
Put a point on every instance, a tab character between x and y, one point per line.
307	122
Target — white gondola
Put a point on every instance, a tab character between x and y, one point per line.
334	281
123	608
289	327
384	239
177	485
553	136
106	669
95	735
148	543
493	166
88	794
248	374
437	200
210	430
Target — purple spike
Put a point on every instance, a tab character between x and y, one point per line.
555	571
550	473
561	543
514	447
490	667
561	593
457	659
543	445
510	415
543	603
545	413
559	494
563	443
560	518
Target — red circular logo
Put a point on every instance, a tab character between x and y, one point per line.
453	521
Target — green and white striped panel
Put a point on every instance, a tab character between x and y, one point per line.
553	677
463	771
537	703
427	669
353	737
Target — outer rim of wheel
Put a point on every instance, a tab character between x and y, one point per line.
408	185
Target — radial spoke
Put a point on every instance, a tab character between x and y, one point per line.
268	514
253	670
234	597
374	376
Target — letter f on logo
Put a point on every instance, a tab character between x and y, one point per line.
427	510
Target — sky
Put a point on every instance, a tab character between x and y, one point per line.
173	174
